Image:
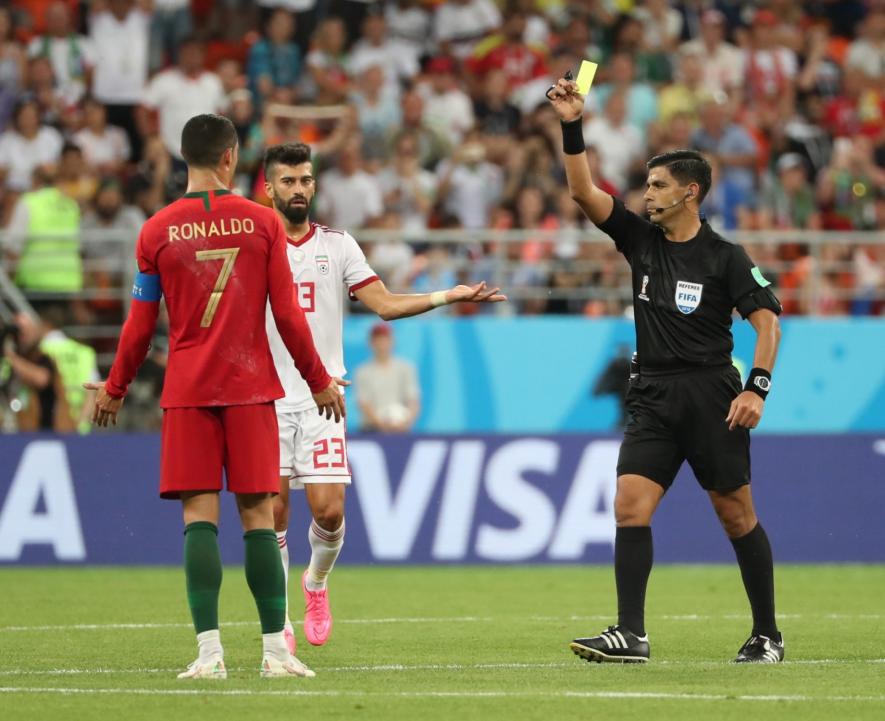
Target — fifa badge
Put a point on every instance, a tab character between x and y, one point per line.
688	296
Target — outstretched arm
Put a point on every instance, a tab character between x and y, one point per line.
746	409
391	306
569	105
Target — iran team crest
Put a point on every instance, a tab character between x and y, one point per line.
323	264
688	296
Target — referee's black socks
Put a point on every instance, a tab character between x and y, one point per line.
633	559
753	553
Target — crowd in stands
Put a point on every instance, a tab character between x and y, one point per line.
432	115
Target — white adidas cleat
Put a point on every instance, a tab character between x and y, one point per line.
213	670
272	667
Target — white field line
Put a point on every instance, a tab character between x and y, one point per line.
406	668
638	695
448	619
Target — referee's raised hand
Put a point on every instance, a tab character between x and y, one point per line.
566	100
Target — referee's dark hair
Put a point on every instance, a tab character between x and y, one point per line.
205	138
286	154
687	166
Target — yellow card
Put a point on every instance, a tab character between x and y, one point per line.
585	76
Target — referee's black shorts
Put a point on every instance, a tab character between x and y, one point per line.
681	416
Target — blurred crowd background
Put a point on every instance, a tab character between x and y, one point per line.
434	144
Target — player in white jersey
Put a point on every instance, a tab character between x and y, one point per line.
313	450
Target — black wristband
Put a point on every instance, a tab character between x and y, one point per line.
759	382
572	137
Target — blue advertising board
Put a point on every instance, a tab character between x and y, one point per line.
537	374
447	499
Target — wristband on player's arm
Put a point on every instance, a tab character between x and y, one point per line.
759	382
572	137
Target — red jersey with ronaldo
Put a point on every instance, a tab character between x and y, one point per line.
216	258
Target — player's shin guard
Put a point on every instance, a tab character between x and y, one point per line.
324	549
633	560
202	570
264	574
753	553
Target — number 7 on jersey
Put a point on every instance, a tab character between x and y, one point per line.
229	256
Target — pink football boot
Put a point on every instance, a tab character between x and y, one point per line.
317	616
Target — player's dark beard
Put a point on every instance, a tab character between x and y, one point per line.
295	214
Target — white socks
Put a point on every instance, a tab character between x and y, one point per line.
325	547
209	643
275	645
284	555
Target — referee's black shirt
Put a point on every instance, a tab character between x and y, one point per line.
683	293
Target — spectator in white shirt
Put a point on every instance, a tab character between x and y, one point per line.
470	186
409	190
374	48
180	93
662	24
537	25
392	258
378	110
446	105
349	197
459	24
72	56
105	147
723	62
867	53
26	146
409	24
121	37
619	144
386	387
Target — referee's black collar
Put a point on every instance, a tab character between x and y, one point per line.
705	232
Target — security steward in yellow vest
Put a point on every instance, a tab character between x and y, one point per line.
44	233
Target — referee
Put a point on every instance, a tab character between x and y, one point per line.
686	402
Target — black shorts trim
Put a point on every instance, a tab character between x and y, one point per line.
656	475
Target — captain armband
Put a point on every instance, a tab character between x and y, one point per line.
147	287
756	299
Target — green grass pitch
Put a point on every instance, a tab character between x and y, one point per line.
443	643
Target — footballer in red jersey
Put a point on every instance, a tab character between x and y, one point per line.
217	258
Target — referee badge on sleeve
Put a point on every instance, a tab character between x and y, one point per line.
688	296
